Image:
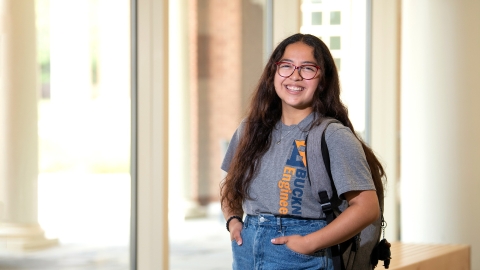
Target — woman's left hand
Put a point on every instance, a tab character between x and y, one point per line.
296	243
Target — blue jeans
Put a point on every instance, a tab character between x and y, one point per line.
257	252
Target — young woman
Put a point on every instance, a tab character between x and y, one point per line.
267	176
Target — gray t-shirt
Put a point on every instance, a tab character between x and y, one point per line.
282	186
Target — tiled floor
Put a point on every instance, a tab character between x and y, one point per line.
67	257
92	224
200	244
205	245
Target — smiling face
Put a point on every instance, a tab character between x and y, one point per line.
297	93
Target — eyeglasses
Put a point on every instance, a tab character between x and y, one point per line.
307	72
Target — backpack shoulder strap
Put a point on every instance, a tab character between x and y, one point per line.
327	205
326	155
323	195
315	138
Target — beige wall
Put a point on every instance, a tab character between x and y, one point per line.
286	19
152	135
385	102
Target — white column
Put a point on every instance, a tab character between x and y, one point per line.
19	228
440	124
180	183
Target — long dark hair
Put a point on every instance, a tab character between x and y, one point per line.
265	111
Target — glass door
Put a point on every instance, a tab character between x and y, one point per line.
84	183
216	54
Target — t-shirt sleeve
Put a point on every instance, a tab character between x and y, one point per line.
232	147
350	169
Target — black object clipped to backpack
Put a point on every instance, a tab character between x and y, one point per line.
381	251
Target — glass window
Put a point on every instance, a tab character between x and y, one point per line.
84	133
335	43
316	18
338	63
345	32
335	17
220	66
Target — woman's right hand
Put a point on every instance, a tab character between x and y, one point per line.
236	227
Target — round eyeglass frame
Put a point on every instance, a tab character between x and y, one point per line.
299	70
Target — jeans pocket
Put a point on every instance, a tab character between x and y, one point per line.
318	253
242	254
287	258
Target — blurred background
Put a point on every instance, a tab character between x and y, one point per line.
115	115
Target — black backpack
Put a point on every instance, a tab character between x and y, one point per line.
381	251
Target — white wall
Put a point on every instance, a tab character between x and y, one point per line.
440	128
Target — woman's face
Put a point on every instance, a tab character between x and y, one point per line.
295	92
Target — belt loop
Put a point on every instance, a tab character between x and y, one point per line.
279	223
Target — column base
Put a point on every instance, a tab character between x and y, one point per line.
194	210
22	237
